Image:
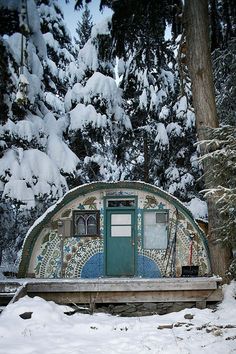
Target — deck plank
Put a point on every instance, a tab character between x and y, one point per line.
125	285
117	290
124	297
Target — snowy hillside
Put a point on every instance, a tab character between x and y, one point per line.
51	331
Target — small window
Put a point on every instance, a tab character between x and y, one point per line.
155	229
121	203
86	223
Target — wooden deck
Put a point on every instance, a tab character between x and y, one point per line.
114	290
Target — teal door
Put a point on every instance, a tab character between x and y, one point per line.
120	243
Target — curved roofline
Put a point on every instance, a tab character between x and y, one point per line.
72	194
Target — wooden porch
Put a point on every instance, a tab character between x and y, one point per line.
201	290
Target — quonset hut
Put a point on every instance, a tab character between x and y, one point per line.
115	229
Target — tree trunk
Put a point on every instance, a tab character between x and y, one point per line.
200	69
146	158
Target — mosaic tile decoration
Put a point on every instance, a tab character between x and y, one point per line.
147	268
49	259
94	267
81	251
84	256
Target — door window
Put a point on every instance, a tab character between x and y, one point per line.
120	225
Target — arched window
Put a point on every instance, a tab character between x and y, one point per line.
86	223
91	225
81	226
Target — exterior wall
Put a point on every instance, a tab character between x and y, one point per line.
52	256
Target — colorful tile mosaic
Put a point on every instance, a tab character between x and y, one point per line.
147	268
49	259
81	251
75	257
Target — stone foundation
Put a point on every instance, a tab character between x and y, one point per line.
139	309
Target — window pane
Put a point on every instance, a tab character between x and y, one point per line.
155	236
149	218
121	231
119	203
120	219
81	230
155	230
91	225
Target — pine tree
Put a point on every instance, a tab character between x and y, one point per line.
84	28
35	70
97	119
223	46
200	67
160	148
221	141
220	155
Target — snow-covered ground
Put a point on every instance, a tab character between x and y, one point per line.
50	331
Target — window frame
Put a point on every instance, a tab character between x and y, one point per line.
156	211
76	215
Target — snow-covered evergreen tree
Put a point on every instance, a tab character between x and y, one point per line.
36	69
160	148
221	154
84	28
97	118
220	145
223	39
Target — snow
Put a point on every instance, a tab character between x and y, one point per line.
52	67
101	28
82	115
34	62
24	169
50	41
87	57
181	106
162	137
54	102
73	95
143	99
17	189
198	208
25	130
14	42
190	119
60	153
174	129
105	86
49	330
